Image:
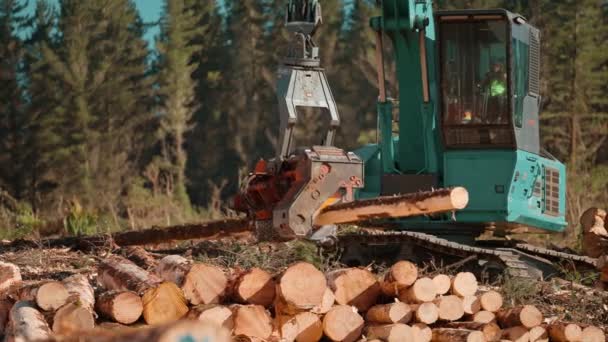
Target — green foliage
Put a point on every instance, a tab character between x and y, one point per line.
80	221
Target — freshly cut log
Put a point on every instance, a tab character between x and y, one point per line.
593	334
326	303
80	290
457	335
389	313
471	305
443	283
201	283
72	317
564	332
414	204
527	315
180	331
48	295
163	304
491	331
303	327
491	301
300	288
464	284
254	286
422	291
354	286
26	323
9	275
516	334
397	332
483	317
450	308
141	257
121	306
422	332
398	278
538	334
5	309
252	321
213	314
426	313
343	323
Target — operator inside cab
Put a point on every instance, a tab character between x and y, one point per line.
494	87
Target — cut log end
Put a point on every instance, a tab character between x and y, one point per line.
73	317
389	313
252	321
426	313
528	316
123	307
399	277
255	286
9	275
52	295
343	323
464	284
164	303
301	287
422	332
213	314
303	327
563	332
450	308
491	301
593	334
354	286
442	283
390	332
471	305
422	291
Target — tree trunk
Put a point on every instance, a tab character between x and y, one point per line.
564	332
213	314
491	301
390	332
9	275
201	283
527	315
491	331
422	291
80	290
124	307
516	334
252	321
303	327
450	308
389	313
300	288
354	286
399	277
426	313
49	295
457	335
26	324
464	284
73	317
343	323
141	257
255	286
443	283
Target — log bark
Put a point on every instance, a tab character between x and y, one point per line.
483	317
593	334
26	324
201	283
457	335
163	302
422	291
422	332
213	314
141	257
516	334
5	309
255	286
357	287
527	315
450	308
300	288
564	332
398	278
80	290
9	275
252	321
471	305
49	295
443	283
303	327
421	203
124	307
326	303
389	313
73	317
343	323
490	301
464	284
397	332
426	313
491	331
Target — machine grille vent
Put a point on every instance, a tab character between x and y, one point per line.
551	191
534	82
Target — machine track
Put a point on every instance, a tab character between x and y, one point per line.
520	260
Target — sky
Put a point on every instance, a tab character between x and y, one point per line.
150	11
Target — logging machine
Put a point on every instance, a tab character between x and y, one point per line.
458	151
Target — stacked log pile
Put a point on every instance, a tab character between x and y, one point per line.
175	299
